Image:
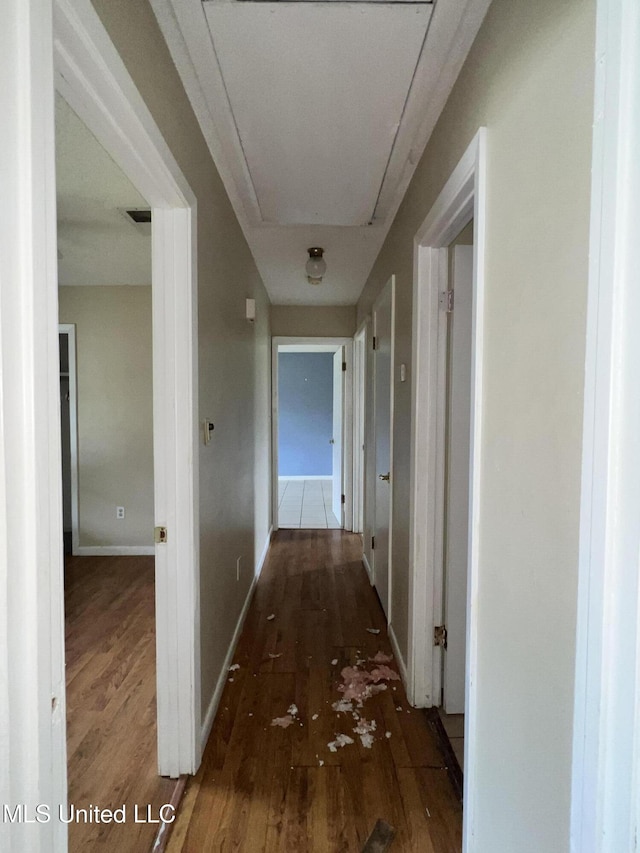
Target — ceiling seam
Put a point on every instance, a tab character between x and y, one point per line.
404	109
233	117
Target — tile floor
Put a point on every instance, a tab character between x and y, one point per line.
454	727
306	503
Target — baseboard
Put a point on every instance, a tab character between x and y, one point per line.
207	724
265	551
314	477
115	551
367	567
400	660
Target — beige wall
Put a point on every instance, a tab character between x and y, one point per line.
115	411
319	321
529	80
233	355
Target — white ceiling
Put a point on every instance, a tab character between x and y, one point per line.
316	114
98	243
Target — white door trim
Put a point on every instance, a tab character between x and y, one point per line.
463	196
69	329
32	674
92	77
606	760
347	427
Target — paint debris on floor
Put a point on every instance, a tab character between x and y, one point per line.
358	684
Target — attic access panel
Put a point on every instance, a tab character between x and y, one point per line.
317	119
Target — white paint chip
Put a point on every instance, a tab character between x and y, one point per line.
315	716
373	630
339	742
334	662
270	617
234	667
274	657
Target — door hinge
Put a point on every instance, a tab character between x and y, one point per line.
440	636
446	301
160	535
344	365
373	543
342	499
375	342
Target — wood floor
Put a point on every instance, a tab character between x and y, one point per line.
262	787
111	714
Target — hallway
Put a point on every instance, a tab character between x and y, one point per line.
264	787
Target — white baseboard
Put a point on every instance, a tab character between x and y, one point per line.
265	551
367	567
398	655
207	724
114	551
314	477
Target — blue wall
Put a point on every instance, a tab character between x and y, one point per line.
305	414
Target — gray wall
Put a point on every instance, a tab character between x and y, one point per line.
115	411
314	321
529	80
234	361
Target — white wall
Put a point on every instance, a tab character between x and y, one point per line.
529	80
234	365
115	412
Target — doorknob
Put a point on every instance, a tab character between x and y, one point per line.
331	441
385	477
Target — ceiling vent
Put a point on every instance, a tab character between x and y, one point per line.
139	215
138	218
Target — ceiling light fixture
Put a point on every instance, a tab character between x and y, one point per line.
316	265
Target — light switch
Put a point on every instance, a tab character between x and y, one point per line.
207	430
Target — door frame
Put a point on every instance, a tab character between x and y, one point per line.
392	283
93	79
359	417
91	75
347	420
606	764
463	197
69	329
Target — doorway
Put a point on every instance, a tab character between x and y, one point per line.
69	428
312	416
433	475
456	488
91	79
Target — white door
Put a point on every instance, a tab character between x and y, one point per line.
338	394
383	390
457	479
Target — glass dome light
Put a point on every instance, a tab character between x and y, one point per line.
316	266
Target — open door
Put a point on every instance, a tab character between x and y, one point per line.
337	475
456	540
383	313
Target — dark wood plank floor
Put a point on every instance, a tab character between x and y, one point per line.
262	788
111	712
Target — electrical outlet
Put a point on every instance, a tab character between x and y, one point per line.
119	512
238	561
